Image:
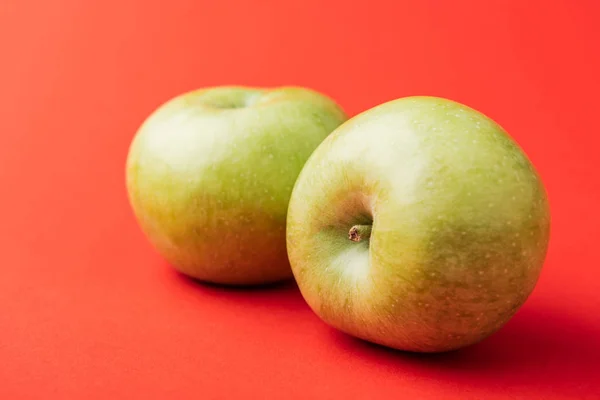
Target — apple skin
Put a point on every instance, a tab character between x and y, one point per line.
209	175
459	226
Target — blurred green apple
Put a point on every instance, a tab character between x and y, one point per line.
209	175
418	225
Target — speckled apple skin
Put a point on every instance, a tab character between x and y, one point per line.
460	226
210	172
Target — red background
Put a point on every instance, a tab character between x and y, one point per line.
88	310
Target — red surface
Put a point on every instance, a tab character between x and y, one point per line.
88	310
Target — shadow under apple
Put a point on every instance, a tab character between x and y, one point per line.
278	295
540	349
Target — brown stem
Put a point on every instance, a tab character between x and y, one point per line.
359	232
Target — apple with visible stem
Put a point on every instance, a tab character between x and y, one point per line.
419	224
209	175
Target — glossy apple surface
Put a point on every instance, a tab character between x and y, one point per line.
418	225
210	172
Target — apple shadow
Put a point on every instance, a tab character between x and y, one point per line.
188	280
282	294
540	349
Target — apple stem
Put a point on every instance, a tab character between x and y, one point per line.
359	232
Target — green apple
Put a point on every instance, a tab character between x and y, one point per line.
418	225
210	172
